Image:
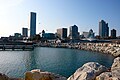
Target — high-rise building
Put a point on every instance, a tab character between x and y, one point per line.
62	33
25	32
32	24
113	33
103	29
74	32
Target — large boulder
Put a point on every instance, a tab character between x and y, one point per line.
88	71
40	75
114	74
115	69
116	64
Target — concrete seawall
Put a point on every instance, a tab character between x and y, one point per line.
107	48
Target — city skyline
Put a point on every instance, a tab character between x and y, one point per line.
56	14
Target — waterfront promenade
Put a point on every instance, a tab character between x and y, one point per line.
108	48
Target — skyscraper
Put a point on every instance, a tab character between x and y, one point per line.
113	33
25	32
103	29
62	33
32	24
73	32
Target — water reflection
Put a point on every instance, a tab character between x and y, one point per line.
30	60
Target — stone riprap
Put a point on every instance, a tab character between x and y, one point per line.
109	48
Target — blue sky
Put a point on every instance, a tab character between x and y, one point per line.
54	14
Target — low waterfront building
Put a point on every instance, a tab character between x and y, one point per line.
48	36
17	35
89	34
85	34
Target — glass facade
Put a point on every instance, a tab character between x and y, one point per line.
32	24
103	29
73	32
25	32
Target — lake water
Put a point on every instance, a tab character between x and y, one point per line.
58	60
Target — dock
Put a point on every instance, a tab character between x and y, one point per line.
16	47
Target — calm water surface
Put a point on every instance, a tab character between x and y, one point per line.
58	60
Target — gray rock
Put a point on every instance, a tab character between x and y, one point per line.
116	64
104	76
114	74
88	71
115	69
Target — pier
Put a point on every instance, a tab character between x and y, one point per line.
16	46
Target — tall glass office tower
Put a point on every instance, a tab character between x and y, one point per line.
103	29
32	24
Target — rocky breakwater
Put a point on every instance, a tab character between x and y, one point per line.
109	48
